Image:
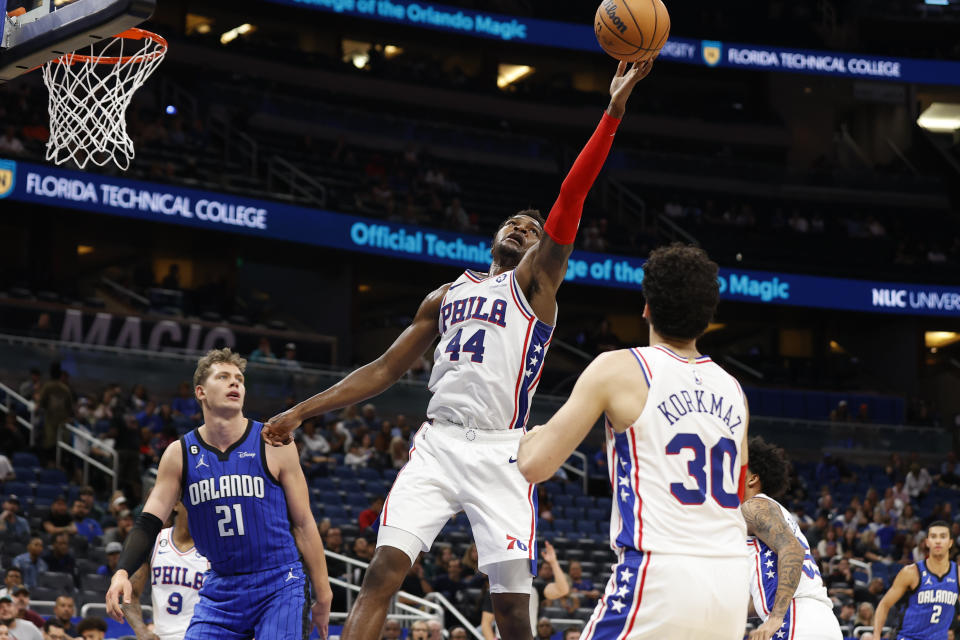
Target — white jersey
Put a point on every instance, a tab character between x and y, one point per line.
490	357
675	471
176	578
763	587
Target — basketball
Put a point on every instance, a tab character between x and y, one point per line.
632	30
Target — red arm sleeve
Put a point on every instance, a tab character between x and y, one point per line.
564	218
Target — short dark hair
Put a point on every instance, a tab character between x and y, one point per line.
938	523
680	286
570	630
91	623
530	213
17	569
770	463
52	622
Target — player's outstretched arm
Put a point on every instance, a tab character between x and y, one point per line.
541	271
133	612
544	448
305	533
141	538
906	580
368	380
765	520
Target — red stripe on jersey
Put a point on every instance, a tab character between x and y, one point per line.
533	523
523	369
647	364
643	579
638	534
763	596
793	617
516	301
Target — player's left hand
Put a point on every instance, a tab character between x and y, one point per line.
118	595
320	615
279	429
767	629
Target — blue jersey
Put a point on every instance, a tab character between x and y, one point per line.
930	610
237	509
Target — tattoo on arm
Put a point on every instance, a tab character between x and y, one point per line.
765	520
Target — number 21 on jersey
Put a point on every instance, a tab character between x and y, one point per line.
230	522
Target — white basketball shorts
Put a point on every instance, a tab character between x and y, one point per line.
810	619
453	469
652	596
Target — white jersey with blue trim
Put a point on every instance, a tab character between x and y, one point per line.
490	356
763	587
175	579
674	472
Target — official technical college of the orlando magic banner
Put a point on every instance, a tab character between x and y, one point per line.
580	37
223	212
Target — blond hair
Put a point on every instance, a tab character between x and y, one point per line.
216	356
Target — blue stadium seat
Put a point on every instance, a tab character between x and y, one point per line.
51	491
24	459
598	515
25	474
562	500
52	476
563	524
584	502
20	489
368	474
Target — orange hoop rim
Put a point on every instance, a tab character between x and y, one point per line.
129	34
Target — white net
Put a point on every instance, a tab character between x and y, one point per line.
90	91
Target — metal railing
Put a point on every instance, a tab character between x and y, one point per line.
88	441
583	473
101	609
235	142
282	172
12	396
120	290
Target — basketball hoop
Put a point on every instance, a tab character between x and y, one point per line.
89	95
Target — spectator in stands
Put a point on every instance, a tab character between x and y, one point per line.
185	405
451	583
399	452
457	217
571	633
149	417
17	628
290	356
12	579
31	563
368	416
59	558
435	629
57	520
819	528
13	526
11	437
470	560
391	629
112	550
872	593
868	550
56	401
172	279
579	585
119	532
94	510
138	398
263	352
53	630
92	628
918	481
864	615
829	546
10	144
118	504
30	386
21	598
6	469
315	445
358	454
840	582
550	583
847	614
64	609
544	629
368	516
85	525
419	629
416	583
458	633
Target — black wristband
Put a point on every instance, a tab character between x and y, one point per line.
139	542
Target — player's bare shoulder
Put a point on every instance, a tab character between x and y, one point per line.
619	376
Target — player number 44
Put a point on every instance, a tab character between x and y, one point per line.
227	524
474	345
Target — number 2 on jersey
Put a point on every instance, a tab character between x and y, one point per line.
696	469
937	610
474	345
224	523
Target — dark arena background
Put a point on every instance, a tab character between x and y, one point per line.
307	170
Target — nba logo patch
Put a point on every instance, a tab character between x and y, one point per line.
712	51
8	177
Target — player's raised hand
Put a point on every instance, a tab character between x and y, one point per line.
279	429
118	594
320	615
623	83
767	629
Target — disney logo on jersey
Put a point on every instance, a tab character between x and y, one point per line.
473	308
246	454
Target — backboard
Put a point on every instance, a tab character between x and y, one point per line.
50	28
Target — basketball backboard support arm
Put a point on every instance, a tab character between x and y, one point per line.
41	35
